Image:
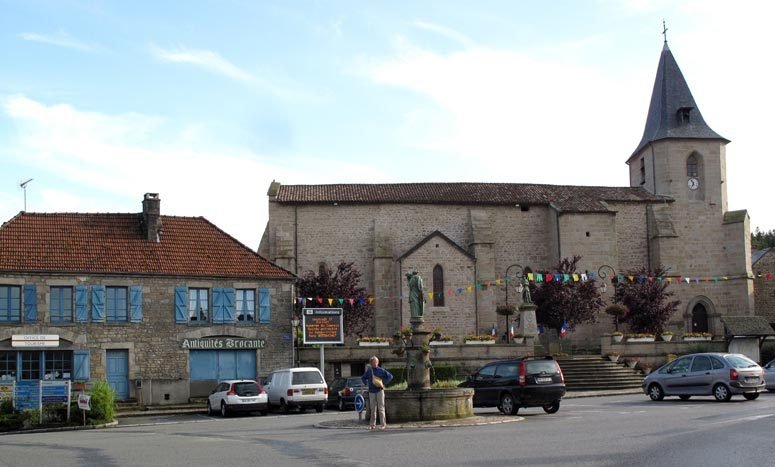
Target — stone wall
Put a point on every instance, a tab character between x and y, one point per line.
764	284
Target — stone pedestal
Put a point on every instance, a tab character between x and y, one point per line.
528	326
418	374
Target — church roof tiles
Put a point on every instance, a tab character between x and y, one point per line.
566	198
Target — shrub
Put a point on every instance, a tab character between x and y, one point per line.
103	402
6	406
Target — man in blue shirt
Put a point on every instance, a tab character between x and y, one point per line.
376	378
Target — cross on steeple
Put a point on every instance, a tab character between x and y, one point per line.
664	30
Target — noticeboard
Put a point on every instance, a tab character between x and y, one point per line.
323	325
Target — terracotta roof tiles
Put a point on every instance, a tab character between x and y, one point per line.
116	244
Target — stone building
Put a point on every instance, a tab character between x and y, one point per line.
159	306
763	263
464	238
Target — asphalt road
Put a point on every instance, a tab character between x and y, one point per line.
618	430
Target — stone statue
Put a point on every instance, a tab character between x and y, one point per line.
416	296
526	299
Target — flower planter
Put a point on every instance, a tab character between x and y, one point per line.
640	339
489	342
667	337
617	337
373	344
631	363
518	340
646	370
696	339
439	343
613	358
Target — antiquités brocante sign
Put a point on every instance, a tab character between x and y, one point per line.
207	343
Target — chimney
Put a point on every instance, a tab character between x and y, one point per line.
151	216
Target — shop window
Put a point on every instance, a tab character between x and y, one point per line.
31	365
7	366
10	304
246	305
61	305
59	364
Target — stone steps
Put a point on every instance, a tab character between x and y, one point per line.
593	373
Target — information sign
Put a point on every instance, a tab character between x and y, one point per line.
84	402
359	403
54	392
323	325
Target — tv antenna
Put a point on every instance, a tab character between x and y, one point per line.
23	185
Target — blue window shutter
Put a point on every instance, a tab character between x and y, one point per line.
30	303
135	304
228	305
81	304
98	303
81	365
217	305
263	306
181	307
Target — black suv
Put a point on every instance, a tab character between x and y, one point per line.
523	382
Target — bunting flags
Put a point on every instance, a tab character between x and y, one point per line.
538	278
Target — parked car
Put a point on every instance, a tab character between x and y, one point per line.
523	382
238	395
703	374
297	388
342	392
769	375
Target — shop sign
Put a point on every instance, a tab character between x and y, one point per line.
323	325
35	340
222	343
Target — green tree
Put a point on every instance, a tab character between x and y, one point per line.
573	302
761	240
343	283
647	300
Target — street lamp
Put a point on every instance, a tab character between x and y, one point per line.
602	275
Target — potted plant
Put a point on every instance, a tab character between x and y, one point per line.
640	337
646	368
373	341
631	361
666	336
479	339
440	339
518	339
613	356
425	348
697	336
617	336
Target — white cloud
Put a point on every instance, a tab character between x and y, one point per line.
60	40
448	33
205	59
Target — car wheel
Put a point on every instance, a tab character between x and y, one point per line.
656	393
721	393
224	410
552	408
508	404
751	396
209	408
284	407
319	408
341	405
684	397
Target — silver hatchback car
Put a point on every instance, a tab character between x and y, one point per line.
703	374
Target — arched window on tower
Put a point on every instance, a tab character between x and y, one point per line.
438	286
691	166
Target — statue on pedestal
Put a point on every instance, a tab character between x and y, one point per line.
416	296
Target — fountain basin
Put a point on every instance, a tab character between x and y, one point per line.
428	404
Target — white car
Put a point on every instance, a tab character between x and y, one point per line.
769	375
237	395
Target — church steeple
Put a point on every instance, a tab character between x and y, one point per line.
673	112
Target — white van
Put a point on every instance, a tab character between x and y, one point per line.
297	387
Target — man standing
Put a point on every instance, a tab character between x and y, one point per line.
376	378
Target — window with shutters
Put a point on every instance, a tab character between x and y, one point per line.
246	305
116	304
198	305
10	304
61	305
438	286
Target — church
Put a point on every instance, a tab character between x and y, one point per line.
469	241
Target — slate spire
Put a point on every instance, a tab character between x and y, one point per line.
673	112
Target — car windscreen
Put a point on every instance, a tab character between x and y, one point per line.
246	389
739	361
541	366
354	382
307	377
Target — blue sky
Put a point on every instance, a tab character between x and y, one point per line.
207	102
